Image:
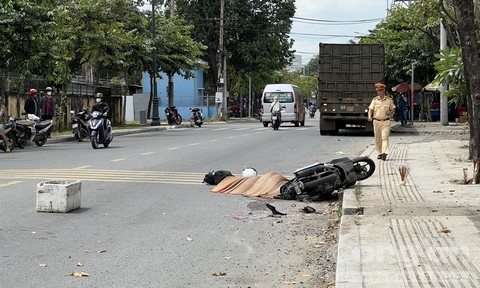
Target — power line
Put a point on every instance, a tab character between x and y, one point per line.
323	35
335	22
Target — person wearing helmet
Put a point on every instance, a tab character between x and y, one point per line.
101	106
31	104
47	105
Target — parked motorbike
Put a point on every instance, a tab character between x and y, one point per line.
173	117
197	117
80	125
33	130
10	133
100	132
319	181
312	110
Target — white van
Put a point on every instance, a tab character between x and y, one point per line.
290	97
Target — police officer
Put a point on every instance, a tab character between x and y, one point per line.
380	110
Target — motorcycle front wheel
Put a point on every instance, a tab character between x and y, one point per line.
178	120
94	140
364	167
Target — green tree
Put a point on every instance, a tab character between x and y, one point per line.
256	36
24	26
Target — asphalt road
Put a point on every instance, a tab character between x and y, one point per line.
147	220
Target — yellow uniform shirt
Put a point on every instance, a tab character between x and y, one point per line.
381	107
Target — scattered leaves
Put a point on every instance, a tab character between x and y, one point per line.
43	265
437	191
227	257
33	232
319	244
219	273
80	264
289	282
444	230
79	274
102	251
189	238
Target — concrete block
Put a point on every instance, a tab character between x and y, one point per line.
59	196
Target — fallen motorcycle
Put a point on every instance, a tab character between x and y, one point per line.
319	181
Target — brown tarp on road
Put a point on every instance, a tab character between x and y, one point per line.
265	186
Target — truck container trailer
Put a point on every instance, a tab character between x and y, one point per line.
346	84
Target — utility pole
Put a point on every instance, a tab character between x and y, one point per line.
412	89
155	116
171	84
220	97
443	88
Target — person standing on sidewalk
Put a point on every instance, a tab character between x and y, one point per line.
47	105
379	111
402	106
31	104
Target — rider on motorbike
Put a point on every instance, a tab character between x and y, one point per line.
102	107
276	108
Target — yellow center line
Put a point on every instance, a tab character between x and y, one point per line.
118	159
173	148
10	183
193	144
231	137
213	140
147	153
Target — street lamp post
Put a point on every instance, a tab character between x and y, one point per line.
155	116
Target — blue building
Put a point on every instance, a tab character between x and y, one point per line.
188	93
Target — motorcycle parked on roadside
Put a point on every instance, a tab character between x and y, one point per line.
320	180
173	117
33	130
10	133
100	132
197	117
80	125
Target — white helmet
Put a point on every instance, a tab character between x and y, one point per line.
249	172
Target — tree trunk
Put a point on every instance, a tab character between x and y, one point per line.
464	11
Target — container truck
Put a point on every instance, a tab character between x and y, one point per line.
346	84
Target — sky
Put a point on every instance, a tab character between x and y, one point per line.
322	19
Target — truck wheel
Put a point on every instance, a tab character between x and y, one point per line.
265	124
323	132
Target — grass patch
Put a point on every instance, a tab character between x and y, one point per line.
358	192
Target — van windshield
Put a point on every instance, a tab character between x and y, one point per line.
283	97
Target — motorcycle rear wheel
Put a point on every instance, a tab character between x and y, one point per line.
78	137
41	141
364	167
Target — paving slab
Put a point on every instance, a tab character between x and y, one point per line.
423	233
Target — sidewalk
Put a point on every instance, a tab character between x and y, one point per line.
422	234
